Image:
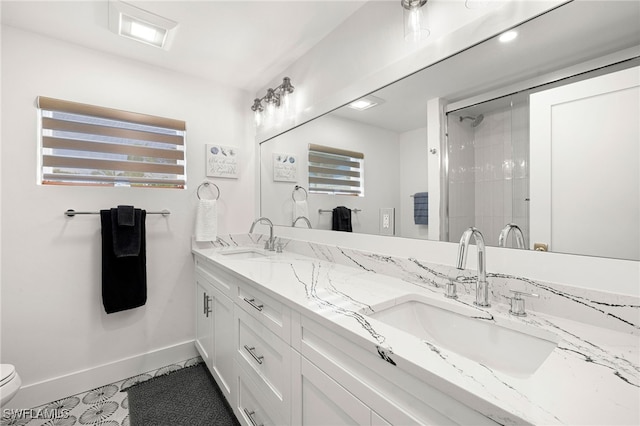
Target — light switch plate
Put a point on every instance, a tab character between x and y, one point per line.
388	221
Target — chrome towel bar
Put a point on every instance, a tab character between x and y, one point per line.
331	211
72	213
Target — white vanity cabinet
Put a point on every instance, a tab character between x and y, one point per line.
244	336
277	366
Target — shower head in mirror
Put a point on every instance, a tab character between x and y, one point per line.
474	120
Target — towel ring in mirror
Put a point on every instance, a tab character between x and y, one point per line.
293	193
207	184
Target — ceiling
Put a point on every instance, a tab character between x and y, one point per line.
236	43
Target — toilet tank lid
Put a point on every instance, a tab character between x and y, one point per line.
6	371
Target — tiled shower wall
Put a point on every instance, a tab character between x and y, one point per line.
488	170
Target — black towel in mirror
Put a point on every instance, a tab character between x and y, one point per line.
124	278
341	219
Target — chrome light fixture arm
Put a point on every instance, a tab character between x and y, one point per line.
274	97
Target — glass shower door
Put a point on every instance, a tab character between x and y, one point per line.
488	168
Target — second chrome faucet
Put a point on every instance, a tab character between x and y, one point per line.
482	286
270	243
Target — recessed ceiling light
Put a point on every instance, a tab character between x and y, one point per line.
365	103
507	36
140	25
146	32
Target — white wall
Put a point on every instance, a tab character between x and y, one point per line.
53	322
413	178
381	173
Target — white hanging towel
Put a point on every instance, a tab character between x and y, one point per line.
300	208
207	220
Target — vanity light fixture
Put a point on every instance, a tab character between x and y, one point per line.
414	22
140	25
365	103
507	36
276	101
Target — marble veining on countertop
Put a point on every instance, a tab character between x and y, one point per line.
591	377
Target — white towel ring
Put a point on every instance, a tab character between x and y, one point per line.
293	193
207	184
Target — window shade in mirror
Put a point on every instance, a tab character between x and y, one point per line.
91	145
335	171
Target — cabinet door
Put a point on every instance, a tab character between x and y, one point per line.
204	322
215	334
325	402
223	343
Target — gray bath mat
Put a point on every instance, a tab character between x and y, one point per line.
188	397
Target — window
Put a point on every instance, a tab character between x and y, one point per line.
335	171
90	145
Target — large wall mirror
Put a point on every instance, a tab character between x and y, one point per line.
542	132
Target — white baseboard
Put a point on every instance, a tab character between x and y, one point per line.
36	394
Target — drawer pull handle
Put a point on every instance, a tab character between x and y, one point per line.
252	302
251	419
251	350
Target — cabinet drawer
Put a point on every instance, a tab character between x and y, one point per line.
261	351
272	314
217	278
255	406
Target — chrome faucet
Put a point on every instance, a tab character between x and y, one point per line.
270	244
504	234
303	218
482	286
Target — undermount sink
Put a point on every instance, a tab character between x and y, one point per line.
505	345
243	253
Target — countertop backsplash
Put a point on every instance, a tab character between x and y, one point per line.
603	309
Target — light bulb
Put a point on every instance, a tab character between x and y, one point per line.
414	24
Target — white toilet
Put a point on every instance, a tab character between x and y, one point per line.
9	382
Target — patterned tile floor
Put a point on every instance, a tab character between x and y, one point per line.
105	406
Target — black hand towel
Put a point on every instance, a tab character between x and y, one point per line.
126	238
341	219
124	279
126	216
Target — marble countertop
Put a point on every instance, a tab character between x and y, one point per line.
591	377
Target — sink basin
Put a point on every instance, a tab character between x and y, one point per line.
506	345
243	253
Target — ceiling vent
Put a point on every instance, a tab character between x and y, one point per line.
140	25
